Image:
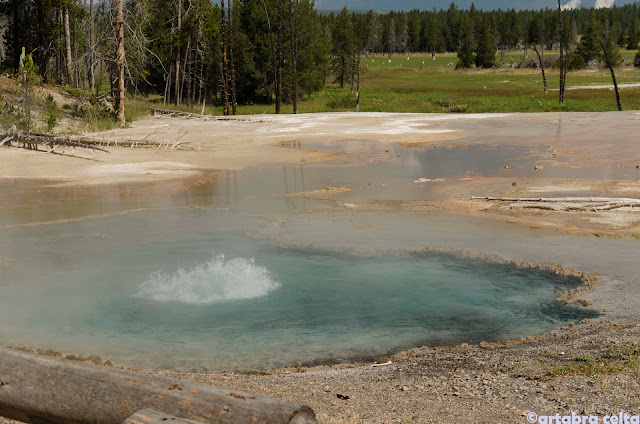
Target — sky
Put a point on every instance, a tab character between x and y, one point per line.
463	4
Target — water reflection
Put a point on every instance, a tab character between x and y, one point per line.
371	170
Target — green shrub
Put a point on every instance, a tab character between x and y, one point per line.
52	112
347	101
636	60
575	61
9	114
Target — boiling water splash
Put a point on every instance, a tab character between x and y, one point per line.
213	281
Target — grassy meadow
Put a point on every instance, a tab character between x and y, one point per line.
416	83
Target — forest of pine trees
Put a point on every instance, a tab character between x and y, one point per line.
233	52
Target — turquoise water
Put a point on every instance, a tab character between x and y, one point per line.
189	289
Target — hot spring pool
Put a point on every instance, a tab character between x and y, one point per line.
188	289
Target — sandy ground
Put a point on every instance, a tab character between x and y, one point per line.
492	383
233	144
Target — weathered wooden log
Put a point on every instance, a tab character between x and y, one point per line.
608	200
180	114
39	389
149	416
49	140
190	115
52	141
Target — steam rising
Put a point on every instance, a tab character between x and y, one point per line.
604	3
574	4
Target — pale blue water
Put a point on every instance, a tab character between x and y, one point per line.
189	289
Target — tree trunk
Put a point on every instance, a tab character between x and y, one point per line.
194	78
202	87
562	64
272	56
184	71
234	104
67	44
358	87
167	86
43	389
42	58
225	69
294	51
279	60
613	75
353	67
179	27
544	77
119	30
59	50
92	52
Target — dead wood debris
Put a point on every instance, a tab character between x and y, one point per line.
189	115
568	204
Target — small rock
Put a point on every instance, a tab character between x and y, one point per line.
327	388
405	388
538	167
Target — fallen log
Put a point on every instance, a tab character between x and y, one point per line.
149	416
608	200
190	115
38	389
51	141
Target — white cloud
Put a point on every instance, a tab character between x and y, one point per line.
573	4
604	3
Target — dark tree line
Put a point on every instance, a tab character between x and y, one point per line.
474	32
276	51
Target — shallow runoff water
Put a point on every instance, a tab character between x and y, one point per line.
194	288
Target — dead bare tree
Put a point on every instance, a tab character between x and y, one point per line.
231	64
544	77
562	64
225	69
279	60
613	74
177	68
92	52
293	12
118	6
67	45
358	86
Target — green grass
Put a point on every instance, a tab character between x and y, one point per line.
421	84
134	109
624	357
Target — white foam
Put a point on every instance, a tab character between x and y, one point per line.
216	280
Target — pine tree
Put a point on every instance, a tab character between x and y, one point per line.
467	43
633	36
342	35
485	49
589	48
